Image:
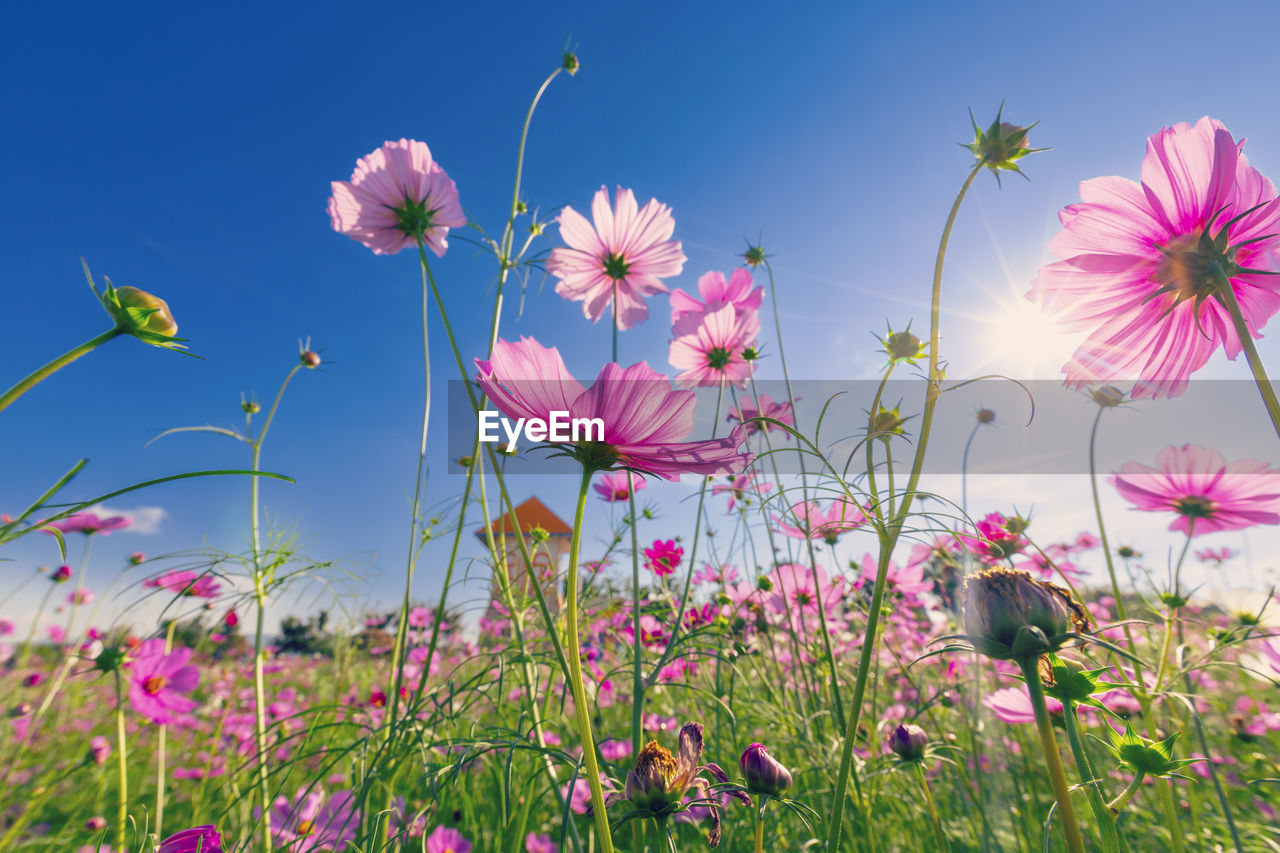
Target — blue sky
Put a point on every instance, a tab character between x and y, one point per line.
188	151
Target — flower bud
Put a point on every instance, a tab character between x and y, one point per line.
62	575
99	750
231	619
197	839
95	823
1108	396
754	256
903	346
137	558
142	314
887	422
1010	615
569	62
986	416
310	359
1001	145
250	407
764	773
908	742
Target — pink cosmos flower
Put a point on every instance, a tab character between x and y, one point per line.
739	487
998	538
186	582
643	418
447	840
1215	556
157	682
396	196
687	311
628	251
1199	485
662	558
1142	264
89	523
763	407
312	822
80	596
617	486
419	617
714	351
535	843
197	839
812	522
1013	705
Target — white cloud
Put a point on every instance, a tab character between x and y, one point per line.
143	519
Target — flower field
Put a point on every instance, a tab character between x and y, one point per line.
770	618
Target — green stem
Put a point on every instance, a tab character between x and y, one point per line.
54	366
938	835
637	675
122	814
1105	818
759	821
574	654
1127	794
1102	535
411	563
161	743
1213	770
1049	746
890	537
1227	296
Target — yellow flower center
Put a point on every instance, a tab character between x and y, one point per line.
153	685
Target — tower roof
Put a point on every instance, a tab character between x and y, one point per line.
532	513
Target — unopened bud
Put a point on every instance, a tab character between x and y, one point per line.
764	773
1010	615
909	742
310	359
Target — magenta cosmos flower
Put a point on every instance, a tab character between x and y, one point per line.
1203	488
397	196
186	582
644	419
158	682
197	839
629	251
663	558
617	486
719	348
313	822
447	840
89	523
1142	265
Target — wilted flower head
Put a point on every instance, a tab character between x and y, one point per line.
628	251
656	786
397	197
1144	266
764	773
908	742
1203	489
1009	615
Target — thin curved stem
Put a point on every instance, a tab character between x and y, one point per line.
889	538
43	373
938	836
574	653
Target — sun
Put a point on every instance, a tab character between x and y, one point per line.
1021	340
